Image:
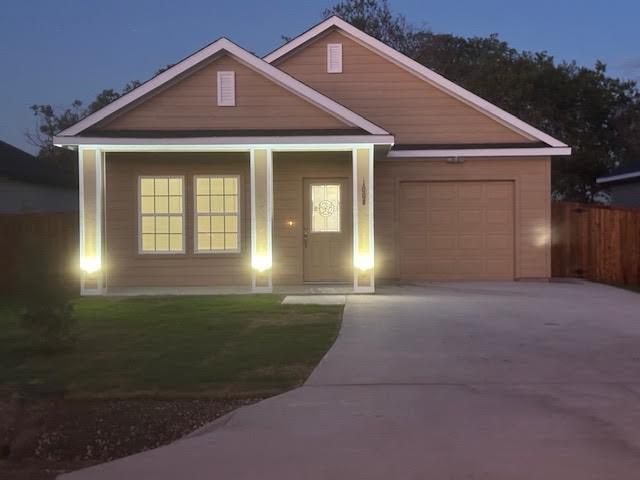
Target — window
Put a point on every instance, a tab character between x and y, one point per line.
325	208
334	58
161	215
217	214
226	89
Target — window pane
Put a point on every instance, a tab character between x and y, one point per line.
175	204
217	205
202	186
231	241
146	204
217	241
175	186
175	242
175	224
230	224
230	186
230	204
202	204
146	186
203	224
148	225
162	224
204	241
162	186
162	204
217	186
325	204
217	224
162	242
148	243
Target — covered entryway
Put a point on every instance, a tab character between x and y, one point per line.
456	230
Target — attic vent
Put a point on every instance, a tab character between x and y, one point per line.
226	89
334	58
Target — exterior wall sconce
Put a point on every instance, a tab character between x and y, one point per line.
363	262
364	192
291	223
90	264
261	263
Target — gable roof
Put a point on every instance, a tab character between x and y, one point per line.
420	71
224	45
627	172
17	164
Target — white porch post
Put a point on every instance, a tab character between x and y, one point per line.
261	168
363	228
91	191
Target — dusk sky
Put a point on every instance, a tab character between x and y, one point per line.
57	51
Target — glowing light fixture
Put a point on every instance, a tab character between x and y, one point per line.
261	263
363	262
90	264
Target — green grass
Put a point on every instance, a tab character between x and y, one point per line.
175	346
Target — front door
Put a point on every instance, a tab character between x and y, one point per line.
327	231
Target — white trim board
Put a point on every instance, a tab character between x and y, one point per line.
274	74
209	143
481	152
426	74
615	178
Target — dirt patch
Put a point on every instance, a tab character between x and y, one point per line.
45	438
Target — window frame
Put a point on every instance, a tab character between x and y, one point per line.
182	251
239	214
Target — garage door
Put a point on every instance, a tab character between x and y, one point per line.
456	230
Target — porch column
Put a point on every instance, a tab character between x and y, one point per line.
261	219
90	170
363	238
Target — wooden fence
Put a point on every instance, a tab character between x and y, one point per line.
44	244
596	242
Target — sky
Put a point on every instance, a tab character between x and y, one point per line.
52	52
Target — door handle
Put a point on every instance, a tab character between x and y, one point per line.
305	237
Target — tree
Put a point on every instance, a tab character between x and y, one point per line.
598	116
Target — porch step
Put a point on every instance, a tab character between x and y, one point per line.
315	299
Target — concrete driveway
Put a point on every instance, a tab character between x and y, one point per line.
495	381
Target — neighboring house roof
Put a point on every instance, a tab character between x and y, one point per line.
222	45
19	165
624	173
420	71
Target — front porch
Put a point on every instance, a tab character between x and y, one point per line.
302	221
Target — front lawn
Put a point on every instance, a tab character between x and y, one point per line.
215	346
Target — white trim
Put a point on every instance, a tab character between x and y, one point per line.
420	71
252	183
239	215
99	218
354	214
278	76
614	178
154	215
229	143
229	76
481	152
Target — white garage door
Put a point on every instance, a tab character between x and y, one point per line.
457	230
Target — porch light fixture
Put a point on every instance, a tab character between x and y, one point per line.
261	263
363	262
90	264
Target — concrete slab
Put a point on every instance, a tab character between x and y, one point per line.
315	300
485	381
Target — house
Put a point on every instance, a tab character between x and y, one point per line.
332	160
33	185
624	185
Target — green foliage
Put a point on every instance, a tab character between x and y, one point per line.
598	116
47	313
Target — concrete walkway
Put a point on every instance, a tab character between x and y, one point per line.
460	381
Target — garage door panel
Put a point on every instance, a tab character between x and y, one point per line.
460	230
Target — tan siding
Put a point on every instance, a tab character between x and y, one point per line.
289	171
384	93
125	267
191	104
531	177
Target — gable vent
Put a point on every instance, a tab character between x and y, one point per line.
226	89
334	58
